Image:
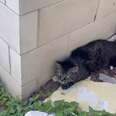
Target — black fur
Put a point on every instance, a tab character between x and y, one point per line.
92	57
96	55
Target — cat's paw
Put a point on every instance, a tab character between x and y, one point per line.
67	86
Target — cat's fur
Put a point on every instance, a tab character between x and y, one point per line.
85	60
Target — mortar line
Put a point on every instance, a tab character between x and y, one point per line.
9	59
97	10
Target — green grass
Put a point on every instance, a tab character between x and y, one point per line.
14	107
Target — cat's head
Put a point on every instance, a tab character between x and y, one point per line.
67	73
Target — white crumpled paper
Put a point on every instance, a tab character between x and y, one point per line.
86	96
37	113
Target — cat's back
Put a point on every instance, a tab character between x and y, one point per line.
84	50
110	48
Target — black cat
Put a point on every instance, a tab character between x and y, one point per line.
96	55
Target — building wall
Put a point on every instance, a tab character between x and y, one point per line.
36	33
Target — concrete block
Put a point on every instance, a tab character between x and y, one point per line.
28	32
16	66
4	55
32	5
24	6
106	7
13	86
64	17
29	88
9	27
101	29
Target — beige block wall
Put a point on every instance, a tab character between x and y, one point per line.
60	19
36	33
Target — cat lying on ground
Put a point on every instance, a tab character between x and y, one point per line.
85	60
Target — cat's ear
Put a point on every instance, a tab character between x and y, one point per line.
58	65
74	69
